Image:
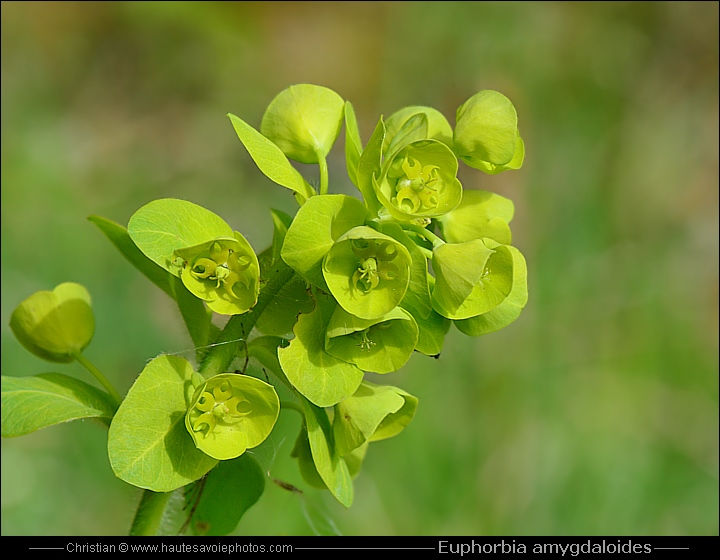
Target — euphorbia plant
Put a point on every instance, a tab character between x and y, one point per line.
348	286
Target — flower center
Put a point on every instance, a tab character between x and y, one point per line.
418	187
373	263
365	342
219	407
223	266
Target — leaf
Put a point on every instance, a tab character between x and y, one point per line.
230	489
486	128
479	214
323	379
194	313
163	226
304	121
413	130
438	128
148	443
418	291
353	143
282	311
270	159
55	325
32	403
358	417
318	223
330	466
281	223
118	236
508	310
369	164
380	345
471	278
492	169
231	413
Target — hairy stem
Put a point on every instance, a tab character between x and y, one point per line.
149	514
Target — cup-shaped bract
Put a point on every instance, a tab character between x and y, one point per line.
479	214
372	413
231	413
55	325
486	135
304	121
419	181
471	278
438	127
381	345
367	272
224	272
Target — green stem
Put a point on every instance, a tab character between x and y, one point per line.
149	515
238	328
427	252
88	365
324	184
430	236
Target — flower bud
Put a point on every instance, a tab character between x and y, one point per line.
55	325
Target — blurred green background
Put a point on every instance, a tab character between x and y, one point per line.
595	413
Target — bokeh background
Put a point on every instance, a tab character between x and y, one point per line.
595	413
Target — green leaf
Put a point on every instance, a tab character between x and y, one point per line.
322	378
479	214
397	421
330	466
302	452
281	313
368	272
304	120
353	143
270	159
492	169
419	181
316	227
230	489
431	332
369	164
438	128
381	345
418	291
163	226
194	313
32	403
55	325
148	443
413	130
281	223
358	417
118	236
508	310
471	278
486	129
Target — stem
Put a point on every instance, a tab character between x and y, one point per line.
427	252
430	236
323	173
149	514
237	329
88	365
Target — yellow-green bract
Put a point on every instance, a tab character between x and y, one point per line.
55	325
231	413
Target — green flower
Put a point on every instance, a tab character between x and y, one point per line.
55	325
224	272
419	181
379	345
231	413
367	272
486	136
471	278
